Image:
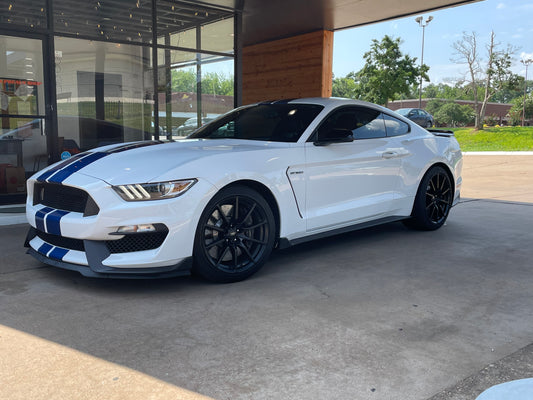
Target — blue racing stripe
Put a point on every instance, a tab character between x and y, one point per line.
39	218
52	220
45	248
45	175
58	253
63	174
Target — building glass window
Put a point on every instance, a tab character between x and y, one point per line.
121	74
217	87
183	39
218	36
104	94
127	20
29	14
182	75
22	110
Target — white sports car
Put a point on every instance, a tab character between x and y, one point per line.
262	176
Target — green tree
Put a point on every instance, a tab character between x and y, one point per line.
492	77
217	83
434	105
344	87
516	111
459	91
387	72
511	90
184	80
453	114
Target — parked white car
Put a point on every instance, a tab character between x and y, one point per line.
262	176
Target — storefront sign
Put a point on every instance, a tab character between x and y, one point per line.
19	82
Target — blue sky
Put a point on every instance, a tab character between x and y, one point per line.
511	20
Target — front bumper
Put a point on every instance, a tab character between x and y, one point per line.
96	252
89	243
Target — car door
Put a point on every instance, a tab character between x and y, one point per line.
349	182
414	116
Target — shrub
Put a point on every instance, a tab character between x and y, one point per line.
453	114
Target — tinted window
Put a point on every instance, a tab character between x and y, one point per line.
268	122
395	127
403	111
364	123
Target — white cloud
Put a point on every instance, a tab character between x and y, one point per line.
526	56
500	6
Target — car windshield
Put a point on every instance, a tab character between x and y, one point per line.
403	111
267	122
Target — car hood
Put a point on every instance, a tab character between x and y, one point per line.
148	161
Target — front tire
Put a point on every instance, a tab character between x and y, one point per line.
235	235
433	201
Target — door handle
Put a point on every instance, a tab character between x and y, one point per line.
389	154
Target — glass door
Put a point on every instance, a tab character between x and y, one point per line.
23	145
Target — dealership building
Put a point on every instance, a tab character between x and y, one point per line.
75	75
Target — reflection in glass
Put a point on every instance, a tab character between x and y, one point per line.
181	76
218	36
104	94
128	20
30	14
22	136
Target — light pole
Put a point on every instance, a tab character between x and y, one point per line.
423	25
526	62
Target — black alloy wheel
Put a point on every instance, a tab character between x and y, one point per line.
433	200
235	235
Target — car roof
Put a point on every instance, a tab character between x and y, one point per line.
328	102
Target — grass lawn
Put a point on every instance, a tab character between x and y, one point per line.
511	138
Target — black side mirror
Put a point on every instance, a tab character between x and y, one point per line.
337	135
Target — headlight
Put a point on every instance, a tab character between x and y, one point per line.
154	191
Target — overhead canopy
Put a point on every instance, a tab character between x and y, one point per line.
265	20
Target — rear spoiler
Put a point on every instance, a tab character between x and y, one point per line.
440	132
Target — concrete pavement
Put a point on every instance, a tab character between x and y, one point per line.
384	313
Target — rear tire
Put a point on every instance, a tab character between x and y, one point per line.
235	235
433	201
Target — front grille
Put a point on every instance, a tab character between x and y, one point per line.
128	244
63	242
137	242
63	197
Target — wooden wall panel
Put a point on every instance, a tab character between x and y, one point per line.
299	66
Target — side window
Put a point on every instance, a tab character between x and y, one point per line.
363	123
370	125
394	126
341	120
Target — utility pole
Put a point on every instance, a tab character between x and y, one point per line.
526	62
423	25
